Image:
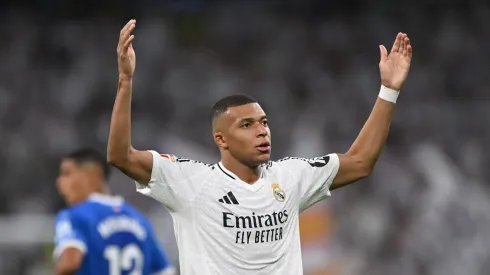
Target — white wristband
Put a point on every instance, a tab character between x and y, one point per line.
388	94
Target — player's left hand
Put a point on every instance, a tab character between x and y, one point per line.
394	67
126	57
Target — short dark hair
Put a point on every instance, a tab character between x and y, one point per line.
222	105
89	155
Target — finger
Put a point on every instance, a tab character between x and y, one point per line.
409	52
126	31
403	44
397	43
128	42
383	53
126	35
406	43
123	30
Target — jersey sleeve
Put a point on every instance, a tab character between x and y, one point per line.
160	263
172	181
317	175
67	234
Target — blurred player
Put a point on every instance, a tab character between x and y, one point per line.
101	234
240	216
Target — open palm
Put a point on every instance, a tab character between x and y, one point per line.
126	57
394	67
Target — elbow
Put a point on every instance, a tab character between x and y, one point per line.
113	161
117	159
69	262
112	158
67	270
366	171
364	166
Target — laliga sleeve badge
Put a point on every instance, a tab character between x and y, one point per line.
169	156
278	193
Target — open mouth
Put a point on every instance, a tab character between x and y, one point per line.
264	147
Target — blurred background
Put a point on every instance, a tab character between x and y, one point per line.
312	65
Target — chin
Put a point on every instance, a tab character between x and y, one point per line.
263	159
72	200
256	160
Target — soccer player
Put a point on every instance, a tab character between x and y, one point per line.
101	234
240	216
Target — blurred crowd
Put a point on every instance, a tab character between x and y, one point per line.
423	211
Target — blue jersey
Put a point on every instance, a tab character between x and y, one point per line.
115	238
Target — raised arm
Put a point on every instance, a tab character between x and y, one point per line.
359	161
135	164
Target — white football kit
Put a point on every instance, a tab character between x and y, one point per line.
225	226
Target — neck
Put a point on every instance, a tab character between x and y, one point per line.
100	190
246	173
84	194
103	193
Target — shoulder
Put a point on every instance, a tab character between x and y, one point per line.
180	161
63	219
63	213
83	209
64	223
301	165
135	213
196	163
287	165
298	162
68	213
81	212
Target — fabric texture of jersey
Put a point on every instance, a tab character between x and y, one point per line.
226	226
115	238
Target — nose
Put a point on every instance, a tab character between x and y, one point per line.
262	131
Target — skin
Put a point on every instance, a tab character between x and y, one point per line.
237	143
75	183
238	133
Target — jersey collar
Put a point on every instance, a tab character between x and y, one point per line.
227	172
254	187
106	199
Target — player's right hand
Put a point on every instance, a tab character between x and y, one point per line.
126	58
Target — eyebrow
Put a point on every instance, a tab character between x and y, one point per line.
251	119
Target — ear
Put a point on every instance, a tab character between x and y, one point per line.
92	173
220	140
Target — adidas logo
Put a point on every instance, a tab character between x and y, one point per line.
229	199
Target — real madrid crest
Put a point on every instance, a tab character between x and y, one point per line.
278	193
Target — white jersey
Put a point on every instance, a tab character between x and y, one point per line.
225	226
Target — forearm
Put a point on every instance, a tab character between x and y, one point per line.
119	144
369	144
64	271
69	262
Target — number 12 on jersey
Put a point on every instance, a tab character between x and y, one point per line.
121	259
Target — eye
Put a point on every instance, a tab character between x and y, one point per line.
265	123
246	125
